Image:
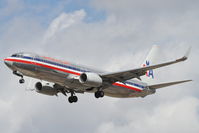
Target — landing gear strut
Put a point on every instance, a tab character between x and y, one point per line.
72	98
21	81
99	94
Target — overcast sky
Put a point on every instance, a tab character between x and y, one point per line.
110	35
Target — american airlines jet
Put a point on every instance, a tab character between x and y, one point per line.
70	78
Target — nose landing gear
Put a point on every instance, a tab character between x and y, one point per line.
21	81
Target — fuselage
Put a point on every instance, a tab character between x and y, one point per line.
67	75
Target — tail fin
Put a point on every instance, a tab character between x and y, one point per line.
151	59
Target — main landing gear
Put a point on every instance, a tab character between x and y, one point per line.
72	98
99	94
21	81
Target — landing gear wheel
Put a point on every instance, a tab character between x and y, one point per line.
99	94
72	99
21	81
96	95
75	99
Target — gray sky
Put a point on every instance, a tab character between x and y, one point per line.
110	35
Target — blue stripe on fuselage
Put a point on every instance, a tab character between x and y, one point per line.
73	68
55	63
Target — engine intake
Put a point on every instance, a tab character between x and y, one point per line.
90	79
46	90
38	86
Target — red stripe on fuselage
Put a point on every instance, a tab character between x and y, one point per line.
125	86
63	70
43	65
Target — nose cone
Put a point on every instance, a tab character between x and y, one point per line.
8	63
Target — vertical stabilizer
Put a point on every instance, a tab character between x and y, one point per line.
151	59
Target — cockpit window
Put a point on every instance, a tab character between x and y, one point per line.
17	55
23	55
14	55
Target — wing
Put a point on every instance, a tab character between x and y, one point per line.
157	86
136	73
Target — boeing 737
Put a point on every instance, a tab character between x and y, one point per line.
71	78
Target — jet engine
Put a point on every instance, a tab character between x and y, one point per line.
46	90
90	79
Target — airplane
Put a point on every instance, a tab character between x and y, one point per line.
72	78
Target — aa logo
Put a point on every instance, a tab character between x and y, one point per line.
149	73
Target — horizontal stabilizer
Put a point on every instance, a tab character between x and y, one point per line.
157	86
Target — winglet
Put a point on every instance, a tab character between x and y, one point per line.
188	52
185	57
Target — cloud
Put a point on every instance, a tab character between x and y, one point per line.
164	118
63	21
146	9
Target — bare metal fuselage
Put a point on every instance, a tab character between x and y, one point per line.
69	79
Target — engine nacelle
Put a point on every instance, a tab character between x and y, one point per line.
46	90
90	79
